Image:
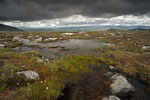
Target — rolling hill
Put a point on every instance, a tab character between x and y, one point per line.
8	28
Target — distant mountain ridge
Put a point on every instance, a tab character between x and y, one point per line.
77	28
8	28
88	28
140	29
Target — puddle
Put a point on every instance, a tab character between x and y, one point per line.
64	47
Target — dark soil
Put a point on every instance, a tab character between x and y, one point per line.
96	86
90	86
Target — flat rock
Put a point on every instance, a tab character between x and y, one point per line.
112	97
120	85
29	74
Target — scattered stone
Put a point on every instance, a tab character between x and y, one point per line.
112	97
108	74
2	45
111	68
30	37
28	42
1	40
37	36
112	34
146	47
50	39
39	60
47	60
108	44
38	40
16	38
68	33
25	41
120	85
46	40
86	34
29	74
5	42
129	39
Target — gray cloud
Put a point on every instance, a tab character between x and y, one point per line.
29	10
79	20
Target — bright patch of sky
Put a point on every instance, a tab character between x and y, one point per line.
79	20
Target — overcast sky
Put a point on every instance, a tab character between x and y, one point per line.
45	13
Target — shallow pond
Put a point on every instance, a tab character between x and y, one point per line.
64	47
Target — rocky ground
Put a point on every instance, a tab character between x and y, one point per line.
120	70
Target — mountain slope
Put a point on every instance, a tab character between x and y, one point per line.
140	29
8	28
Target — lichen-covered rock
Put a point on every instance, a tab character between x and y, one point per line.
29	74
112	97
120	85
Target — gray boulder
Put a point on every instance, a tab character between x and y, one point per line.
2	45
112	97
26	42
29	74
120	85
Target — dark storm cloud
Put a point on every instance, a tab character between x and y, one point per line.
29	10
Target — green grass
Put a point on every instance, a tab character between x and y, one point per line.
54	74
126	56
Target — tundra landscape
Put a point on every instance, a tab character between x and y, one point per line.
74	50
66	72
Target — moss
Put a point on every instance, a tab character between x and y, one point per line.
9	68
13	44
126	56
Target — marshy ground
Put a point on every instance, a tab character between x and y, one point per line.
72	66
